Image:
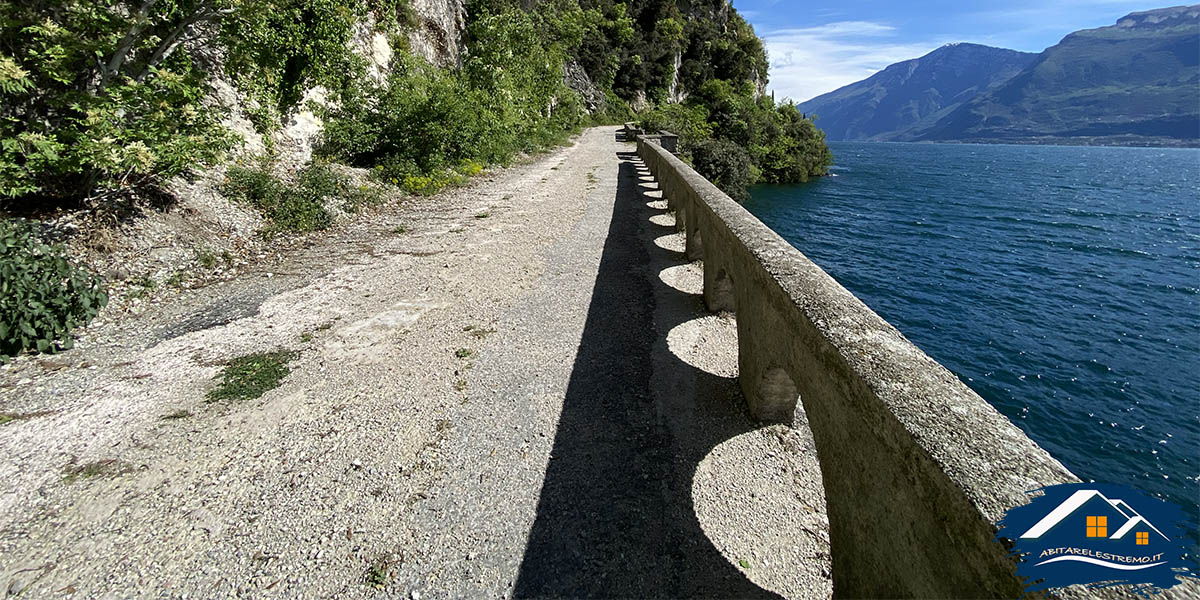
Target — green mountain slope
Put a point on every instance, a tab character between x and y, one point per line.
1136	82
911	92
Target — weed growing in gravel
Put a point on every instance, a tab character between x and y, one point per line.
400	229
250	376
483	215
10	417
179	414
460	385
206	258
379	573
464	353
480	332
143	287
745	563
109	467
306	337
176	280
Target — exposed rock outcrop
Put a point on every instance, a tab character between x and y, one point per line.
576	78
437	33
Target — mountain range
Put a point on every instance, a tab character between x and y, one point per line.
1133	83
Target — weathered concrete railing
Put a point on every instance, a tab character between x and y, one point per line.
669	141
916	467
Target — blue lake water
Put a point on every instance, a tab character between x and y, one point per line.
1060	283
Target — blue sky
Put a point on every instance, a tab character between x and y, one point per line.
817	46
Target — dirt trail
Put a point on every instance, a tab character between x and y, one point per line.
521	395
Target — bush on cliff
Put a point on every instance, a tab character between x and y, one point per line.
102	100
797	149
419	127
688	121
725	164
296	206
781	144
43	297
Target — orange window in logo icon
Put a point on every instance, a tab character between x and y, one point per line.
1097	526
1143	538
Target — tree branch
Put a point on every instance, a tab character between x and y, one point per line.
173	41
131	36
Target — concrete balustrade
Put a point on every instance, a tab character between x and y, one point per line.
916	467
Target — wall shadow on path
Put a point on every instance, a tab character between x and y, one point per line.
615	517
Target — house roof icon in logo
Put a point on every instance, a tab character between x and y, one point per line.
1076	501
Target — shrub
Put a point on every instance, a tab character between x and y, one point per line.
797	150
99	99
688	121
42	295
320	181
104	99
428	127
298	207
725	164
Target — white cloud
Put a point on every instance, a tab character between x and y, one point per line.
810	61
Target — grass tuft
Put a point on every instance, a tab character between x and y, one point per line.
6	417
379	572
109	467
250	376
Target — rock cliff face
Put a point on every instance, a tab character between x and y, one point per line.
576	78
437	35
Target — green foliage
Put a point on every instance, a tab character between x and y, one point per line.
296	207
101	100
98	99
688	121
722	68
280	48
42	295
796	149
725	164
250	376
428	127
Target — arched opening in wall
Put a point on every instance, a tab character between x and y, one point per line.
721	297
777	397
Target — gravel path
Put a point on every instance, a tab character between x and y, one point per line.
521	395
